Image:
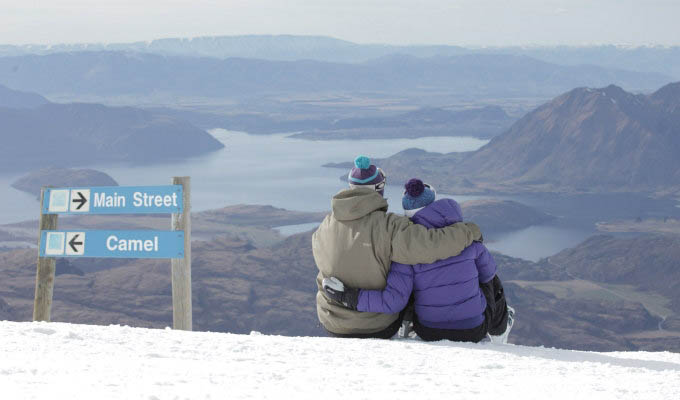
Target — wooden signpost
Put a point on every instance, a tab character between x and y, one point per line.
44	278
175	244
181	267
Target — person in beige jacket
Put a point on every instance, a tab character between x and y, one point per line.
357	243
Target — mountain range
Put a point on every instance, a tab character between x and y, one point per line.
37	133
110	74
665	60
601	140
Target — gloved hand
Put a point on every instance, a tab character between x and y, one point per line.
336	290
488	290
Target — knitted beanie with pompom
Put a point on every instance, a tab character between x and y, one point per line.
417	195
365	174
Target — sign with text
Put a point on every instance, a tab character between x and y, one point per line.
114	200
112	244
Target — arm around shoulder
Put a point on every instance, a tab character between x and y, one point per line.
394	297
415	244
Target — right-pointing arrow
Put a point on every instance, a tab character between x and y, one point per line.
81	200
73	243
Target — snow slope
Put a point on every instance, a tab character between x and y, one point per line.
66	361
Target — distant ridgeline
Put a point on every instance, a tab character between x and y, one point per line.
602	140
471	75
661	59
38	133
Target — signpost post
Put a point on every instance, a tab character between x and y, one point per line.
44	277
174	244
181	267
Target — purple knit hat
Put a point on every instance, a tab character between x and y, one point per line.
366	175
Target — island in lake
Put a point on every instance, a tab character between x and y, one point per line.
62	177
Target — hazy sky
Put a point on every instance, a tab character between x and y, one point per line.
463	22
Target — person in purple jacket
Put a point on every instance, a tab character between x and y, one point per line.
459	298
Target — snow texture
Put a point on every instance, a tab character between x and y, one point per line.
66	361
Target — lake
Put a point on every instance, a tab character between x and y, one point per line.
287	173
252	169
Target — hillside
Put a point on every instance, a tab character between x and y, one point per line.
239	287
65	361
624	276
80	134
607	259
586	140
605	138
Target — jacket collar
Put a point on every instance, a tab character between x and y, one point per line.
438	214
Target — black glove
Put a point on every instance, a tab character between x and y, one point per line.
336	290
489	292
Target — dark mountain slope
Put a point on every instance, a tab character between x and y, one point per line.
79	134
604	139
586	140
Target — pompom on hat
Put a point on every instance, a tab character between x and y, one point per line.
364	174
416	196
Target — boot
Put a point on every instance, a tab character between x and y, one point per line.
406	329
503	338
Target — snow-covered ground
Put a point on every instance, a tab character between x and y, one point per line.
66	361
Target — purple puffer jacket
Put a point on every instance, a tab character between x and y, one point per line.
447	294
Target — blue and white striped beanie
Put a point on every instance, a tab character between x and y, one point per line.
365	174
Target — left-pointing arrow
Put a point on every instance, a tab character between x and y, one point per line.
73	243
81	200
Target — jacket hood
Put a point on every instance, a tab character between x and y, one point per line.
351	204
439	214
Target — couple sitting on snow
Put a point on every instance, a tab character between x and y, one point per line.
379	271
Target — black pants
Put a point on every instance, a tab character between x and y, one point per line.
495	318
383	334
